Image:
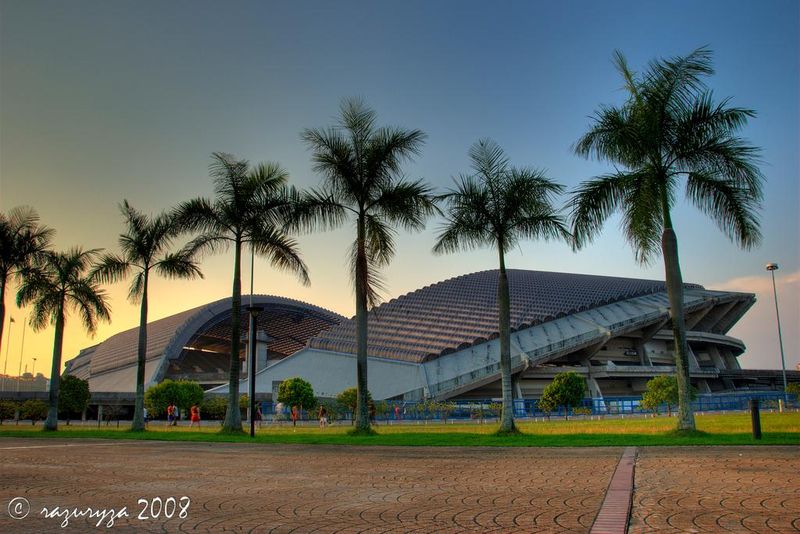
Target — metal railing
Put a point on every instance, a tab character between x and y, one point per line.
482	409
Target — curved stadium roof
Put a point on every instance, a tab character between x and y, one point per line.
462	311
110	365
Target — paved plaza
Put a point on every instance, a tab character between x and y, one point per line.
293	488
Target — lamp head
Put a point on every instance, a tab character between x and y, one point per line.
772	267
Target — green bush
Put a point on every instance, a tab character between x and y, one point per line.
73	397
184	393
794	389
8	409
33	409
214	408
297	392
566	389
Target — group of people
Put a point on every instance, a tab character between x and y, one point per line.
173	415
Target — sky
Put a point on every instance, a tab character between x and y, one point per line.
104	101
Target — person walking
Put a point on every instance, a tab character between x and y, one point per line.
294	416
171	421
323	417
195	416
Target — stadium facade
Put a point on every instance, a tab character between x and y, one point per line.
441	341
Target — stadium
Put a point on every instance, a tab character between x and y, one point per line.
441	342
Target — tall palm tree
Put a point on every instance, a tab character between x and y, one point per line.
249	209
361	168
60	282
497	206
22	240
145	248
670	130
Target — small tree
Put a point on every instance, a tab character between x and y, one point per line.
348	399
8	409
566	389
663	390
297	392
74	396
34	410
794	389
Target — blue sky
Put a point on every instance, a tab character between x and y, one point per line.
101	101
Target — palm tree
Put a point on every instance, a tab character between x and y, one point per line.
497	206
361	168
669	130
58	283
145	248
22	241
250	206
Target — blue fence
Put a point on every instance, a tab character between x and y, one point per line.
490	408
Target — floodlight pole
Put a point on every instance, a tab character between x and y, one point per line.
21	351
8	346
772	267
251	379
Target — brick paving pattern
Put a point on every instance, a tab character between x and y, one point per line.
717	489
283	488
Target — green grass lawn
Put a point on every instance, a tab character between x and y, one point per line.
729	429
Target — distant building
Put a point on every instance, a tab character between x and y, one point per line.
441	341
25	383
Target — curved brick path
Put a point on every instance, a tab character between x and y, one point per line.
259	488
717	489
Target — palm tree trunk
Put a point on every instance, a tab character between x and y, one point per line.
674	280
138	410
362	404
233	418
504	306
55	372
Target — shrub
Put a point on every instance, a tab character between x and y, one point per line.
8	409
34	410
566	389
214	408
794	389
184	393
73	397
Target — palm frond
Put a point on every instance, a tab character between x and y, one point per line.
594	201
405	203
280	249
729	204
110	268
177	265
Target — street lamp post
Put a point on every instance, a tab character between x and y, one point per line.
8	346
33	370
251	373
772	267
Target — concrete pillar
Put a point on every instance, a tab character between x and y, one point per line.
702	386
692	359
516	387
99	414
719	363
